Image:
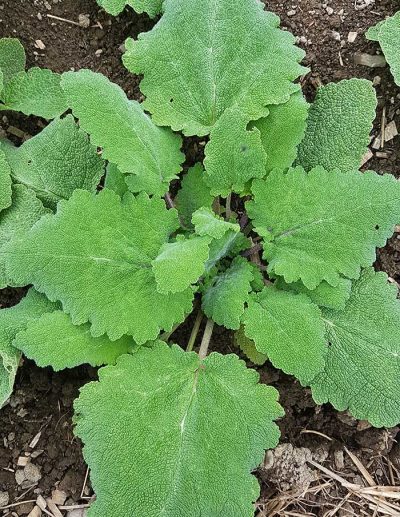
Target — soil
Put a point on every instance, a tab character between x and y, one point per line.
43	400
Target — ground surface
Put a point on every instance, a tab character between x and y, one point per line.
43	400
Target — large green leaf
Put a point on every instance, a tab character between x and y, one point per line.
13	321
95	256
387	33
206	423
114	7
207	222
53	340
288	328
57	161
149	155
362	371
205	56
12	59
321	224
5	182
339	124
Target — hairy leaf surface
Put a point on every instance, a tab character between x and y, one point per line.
53	340
362	371
321	224
248	347
115	7
339	124
162	406
150	156
387	33
207	222
12	59
5	182
288	328
95	256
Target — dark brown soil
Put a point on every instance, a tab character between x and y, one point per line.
43	399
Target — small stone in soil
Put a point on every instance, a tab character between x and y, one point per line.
4	498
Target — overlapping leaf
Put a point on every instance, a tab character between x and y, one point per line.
162	406
320	225
12	59
114	7
95	257
149	155
248	347
362	371
387	33
289	329
5	182
207	223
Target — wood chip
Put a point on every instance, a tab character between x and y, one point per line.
366	158
59	497
390	131
35	440
36	512
22	461
373	61
53	508
352	37
41	502
39	44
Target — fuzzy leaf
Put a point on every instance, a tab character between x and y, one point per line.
35	92
339	124
362	371
5	182
25	210
162	406
95	256
115	180
180	264
12	58
57	161
150	156
204	57
387	33
12	321
53	340
248	347
282	131
194	194
206	222
321	224
288	328
229	245
324	294
224	300
115	7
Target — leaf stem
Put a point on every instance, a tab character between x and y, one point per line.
195	331
228	211
206	339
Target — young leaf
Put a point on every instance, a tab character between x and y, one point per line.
319	225
248	347
95	256
323	295
194	194
229	245
204	57
387	33
282	131
180	264
150	156
162	406
57	161
35	92
339	124
206	222
12	321
53	340
362	371
288	328
224	300
25	210
12	59
115	7
5	182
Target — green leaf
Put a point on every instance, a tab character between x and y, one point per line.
180	264
234	155
387	33
95	256
57	161
203	58
324	294
282	131
115	180
25	211
339	124
53	340
320	225
288	328
362	371
224	300
12	321
206	222
194	194
5	182
229	245
115	7
248	347
162	407
150	156
12	58
35	92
